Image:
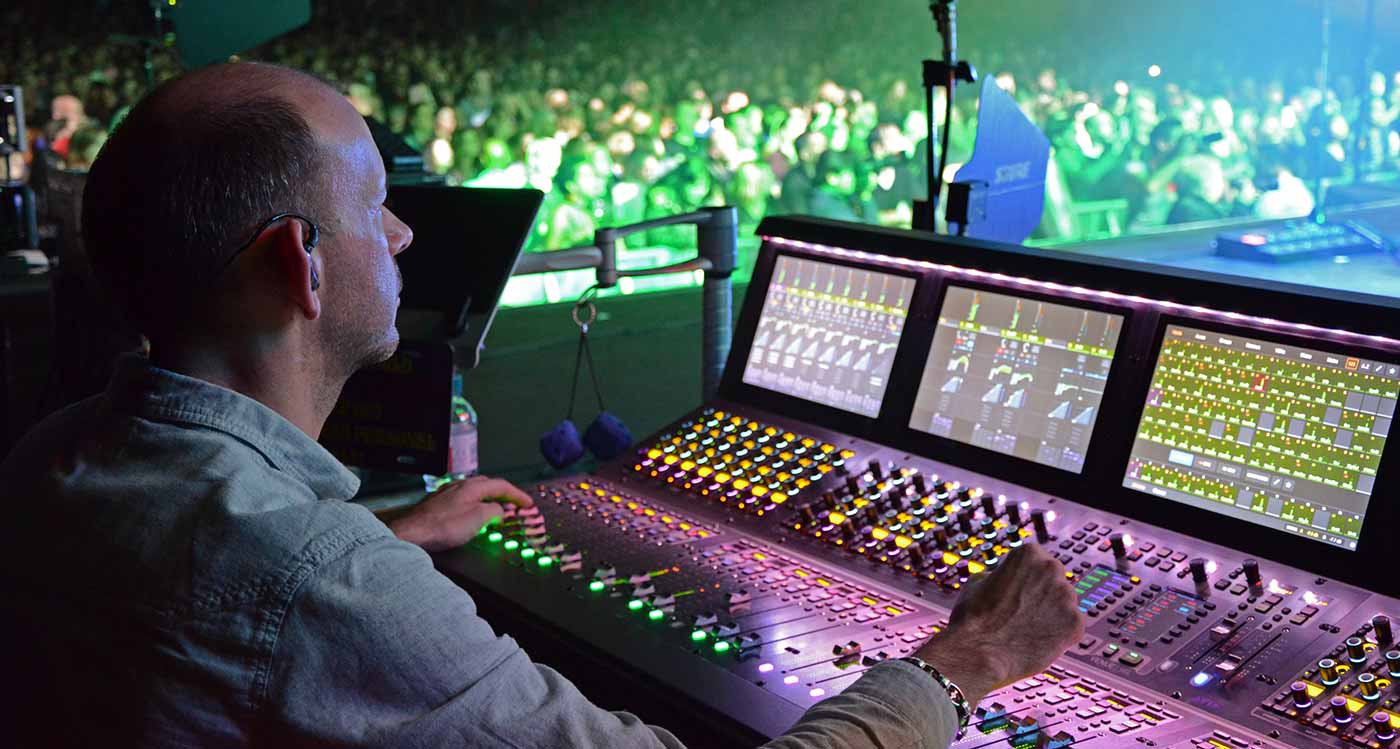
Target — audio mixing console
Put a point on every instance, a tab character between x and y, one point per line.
1208	469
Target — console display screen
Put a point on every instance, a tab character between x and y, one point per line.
1278	435
1017	376
828	333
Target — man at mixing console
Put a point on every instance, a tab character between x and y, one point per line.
179	559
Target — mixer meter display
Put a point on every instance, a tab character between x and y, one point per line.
828	333
1017	376
1278	435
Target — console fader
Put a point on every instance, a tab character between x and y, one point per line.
760	553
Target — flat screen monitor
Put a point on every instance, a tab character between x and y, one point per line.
1017	376
466	242
1282	436
828	333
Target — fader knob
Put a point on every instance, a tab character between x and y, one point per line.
987	529
965	522
853	485
1042	534
1013	535
1013	513
1381	623
1392	662
1301	699
809	516
1367	683
848	531
1385	733
1251	573
1356	649
1341	715
989	505
1327	671
916	556
877	469
1198	571
920	484
1120	548
940	537
962	542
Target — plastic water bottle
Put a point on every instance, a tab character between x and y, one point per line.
462	457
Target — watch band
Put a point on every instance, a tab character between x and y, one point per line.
955	694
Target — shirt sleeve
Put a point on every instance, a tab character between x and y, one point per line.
893	704
379	649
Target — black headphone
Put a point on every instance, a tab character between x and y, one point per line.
313	236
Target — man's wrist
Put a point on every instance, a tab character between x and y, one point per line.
961	706
966	662
408	528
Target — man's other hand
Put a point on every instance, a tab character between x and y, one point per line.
1011	624
452	515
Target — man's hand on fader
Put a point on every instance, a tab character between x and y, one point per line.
452	515
1010	625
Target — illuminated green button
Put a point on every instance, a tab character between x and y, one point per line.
545	561
512	545
527	552
495	537
699	635
596	586
721	646
655	615
634	605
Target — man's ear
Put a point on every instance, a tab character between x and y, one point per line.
301	266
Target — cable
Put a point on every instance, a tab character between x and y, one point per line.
947	126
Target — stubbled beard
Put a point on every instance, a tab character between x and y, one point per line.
355	354
353	346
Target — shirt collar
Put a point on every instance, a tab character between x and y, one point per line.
147	391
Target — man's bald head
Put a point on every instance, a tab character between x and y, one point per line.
192	171
68	108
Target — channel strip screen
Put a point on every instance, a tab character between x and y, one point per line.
1017	376
828	333
1278	435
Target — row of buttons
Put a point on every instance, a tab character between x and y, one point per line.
937	531
768	571
627	513
1218	740
738	460
1062	692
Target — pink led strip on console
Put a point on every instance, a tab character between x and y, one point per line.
1080	291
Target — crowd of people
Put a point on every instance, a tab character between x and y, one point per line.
625	111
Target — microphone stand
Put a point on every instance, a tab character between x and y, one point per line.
943	74
148	44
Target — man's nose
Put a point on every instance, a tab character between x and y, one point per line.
398	233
